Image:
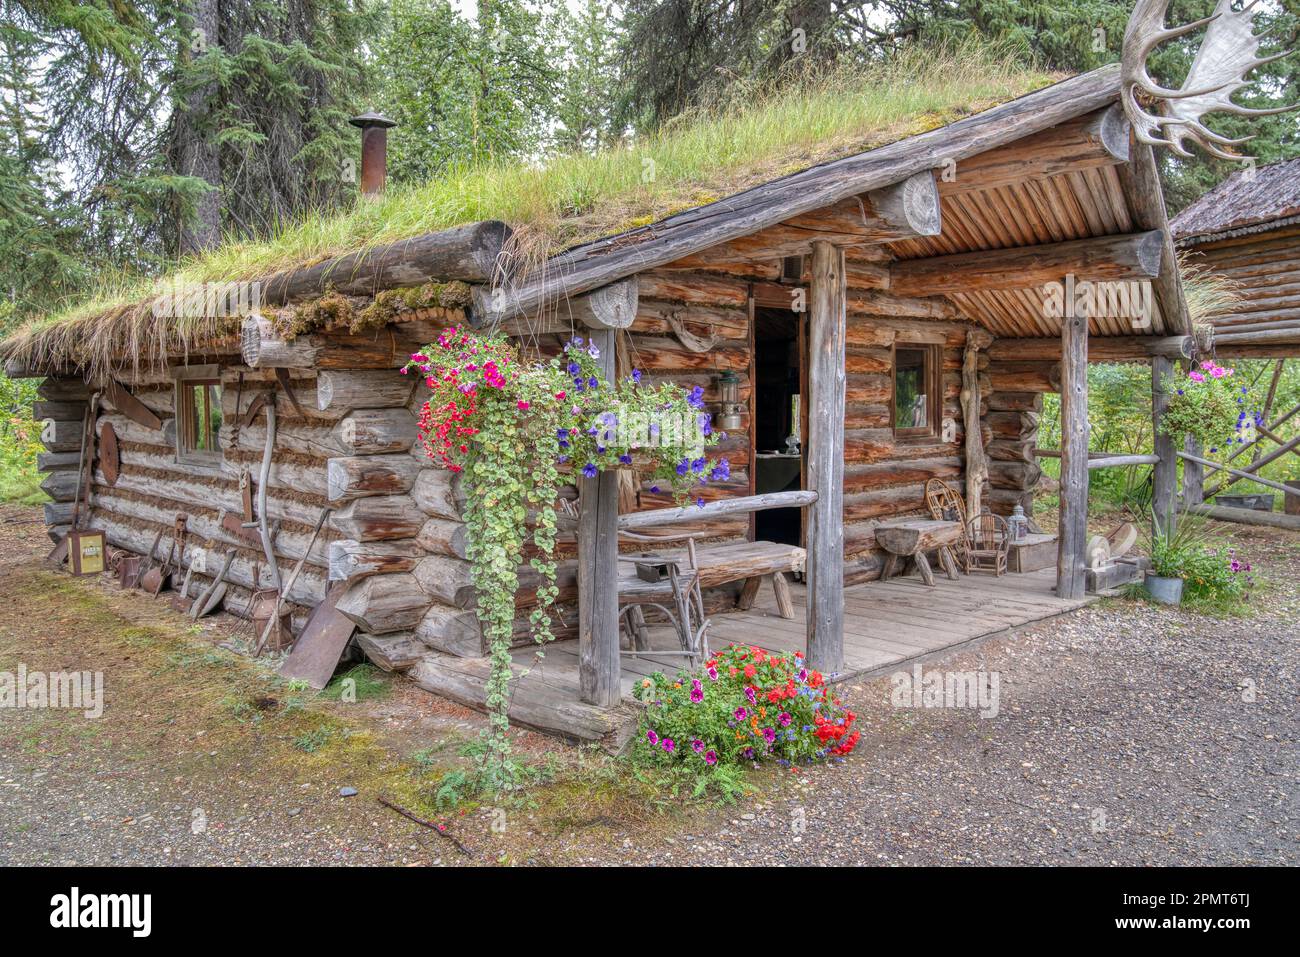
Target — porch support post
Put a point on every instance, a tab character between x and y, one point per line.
826	380
604	312
1164	476
1073	533
977	466
1193	475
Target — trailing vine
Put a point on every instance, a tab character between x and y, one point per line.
517	430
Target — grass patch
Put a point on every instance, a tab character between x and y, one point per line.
363	682
753	135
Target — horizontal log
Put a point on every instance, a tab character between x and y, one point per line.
1011	425
64	389
57	461
61	486
379	518
441	537
51	409
383	604
904	210
728	506
375	431
1091	141
878	503
1100	348
58	513
393	652
455	631
1248	516
341	392
62	436
1016	402
1022	476
1121	461
350	559
534	702
609	307
1105	258
446	580
858	478
469	253
438	493
359	476
1025	376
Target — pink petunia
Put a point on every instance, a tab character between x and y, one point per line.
1196	376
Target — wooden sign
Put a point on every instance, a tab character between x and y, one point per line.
86	549
110	457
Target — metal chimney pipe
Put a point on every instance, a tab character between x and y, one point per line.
374	150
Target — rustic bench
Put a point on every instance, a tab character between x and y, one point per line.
912	539
750	562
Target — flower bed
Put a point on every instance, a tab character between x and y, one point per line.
745	705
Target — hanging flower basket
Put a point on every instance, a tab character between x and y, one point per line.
1213	407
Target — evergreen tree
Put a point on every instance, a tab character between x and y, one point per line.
587	87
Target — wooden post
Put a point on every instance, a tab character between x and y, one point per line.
1193	474
598	654
1073	540
977	466
1164	476
826	320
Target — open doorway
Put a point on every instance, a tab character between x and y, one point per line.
780	418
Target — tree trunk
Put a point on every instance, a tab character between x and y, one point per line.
196	153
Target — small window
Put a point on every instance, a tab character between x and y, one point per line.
917	399
198	415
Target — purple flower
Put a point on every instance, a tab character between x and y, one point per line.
706	423
751	695
625	459
769	735
784	718
713	674
683	467
697	745
710	757
654	489
720	472
636	376
574	368
740	714
696	398
652	737
589	470
593	383
697	466
697	694
668	745
748	754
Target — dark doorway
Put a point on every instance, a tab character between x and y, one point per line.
778	411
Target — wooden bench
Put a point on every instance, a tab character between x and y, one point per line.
750	562
912	539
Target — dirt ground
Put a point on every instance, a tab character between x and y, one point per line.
1125	734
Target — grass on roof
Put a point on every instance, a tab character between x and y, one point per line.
752	136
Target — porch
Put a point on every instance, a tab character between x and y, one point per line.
886	625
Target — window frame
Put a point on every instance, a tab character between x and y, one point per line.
184	380
932	376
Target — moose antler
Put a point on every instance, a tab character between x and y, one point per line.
1229	51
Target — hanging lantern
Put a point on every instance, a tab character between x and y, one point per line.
729	391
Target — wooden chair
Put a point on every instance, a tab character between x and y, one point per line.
947	505
987	544
679	598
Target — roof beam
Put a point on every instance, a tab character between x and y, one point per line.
1132	256
1096	139
902	211
1146	202
1100	348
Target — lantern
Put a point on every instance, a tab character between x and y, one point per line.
730	411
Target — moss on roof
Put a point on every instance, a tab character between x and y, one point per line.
756	135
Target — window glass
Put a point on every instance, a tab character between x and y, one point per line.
911	402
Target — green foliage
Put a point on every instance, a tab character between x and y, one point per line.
365	681
1214	577
509	425
19	442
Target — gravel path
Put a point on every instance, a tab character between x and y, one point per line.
1124	734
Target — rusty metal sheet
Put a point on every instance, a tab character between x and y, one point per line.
316	653
110	456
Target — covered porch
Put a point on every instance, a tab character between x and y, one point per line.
887	625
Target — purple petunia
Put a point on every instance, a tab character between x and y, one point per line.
652	737
668	745
697	745
740	714
710	757
589	470
696	398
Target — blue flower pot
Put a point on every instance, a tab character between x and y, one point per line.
1166	591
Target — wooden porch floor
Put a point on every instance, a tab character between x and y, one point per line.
884	624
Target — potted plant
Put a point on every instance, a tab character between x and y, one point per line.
1172	552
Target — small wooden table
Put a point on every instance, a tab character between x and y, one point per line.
912	539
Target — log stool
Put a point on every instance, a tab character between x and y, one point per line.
912	539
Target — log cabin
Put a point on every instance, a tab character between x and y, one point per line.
1246	232
865	324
